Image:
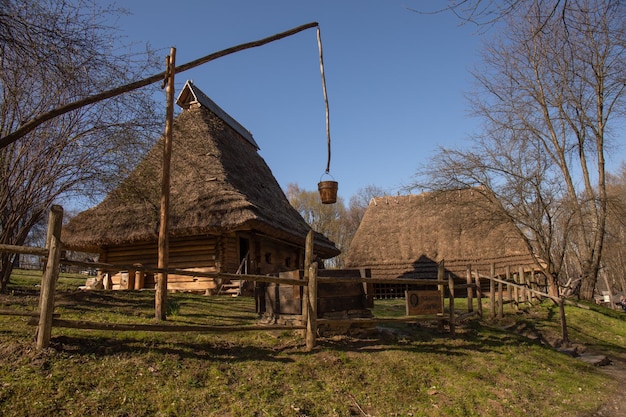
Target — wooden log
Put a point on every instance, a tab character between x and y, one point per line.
470	289
492	291
160	309
509	288
500	300
9	312
140	279
440	277
311	328
368	287
79	324
376	320
451	303
23	249
479	296
308	258
522	282
50	277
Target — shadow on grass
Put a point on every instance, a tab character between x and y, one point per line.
214	351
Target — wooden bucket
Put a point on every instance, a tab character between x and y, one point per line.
328	191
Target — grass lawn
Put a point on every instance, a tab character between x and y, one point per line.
401	370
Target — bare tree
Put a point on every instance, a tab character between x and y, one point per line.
548	94
358	205
614	262
328	219
53	53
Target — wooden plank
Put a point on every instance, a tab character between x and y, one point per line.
190	286
423	302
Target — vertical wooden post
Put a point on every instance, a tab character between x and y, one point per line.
516	291
500	300
522	282
311	331
140	278
509	288
308	258
470	290
160	307
479	296
131	279
368	287
492	291
451	303
50	277
441	271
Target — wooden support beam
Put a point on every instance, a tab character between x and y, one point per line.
479	296
311	328
308	258
492	291
50	277
470	289
451	304
160	308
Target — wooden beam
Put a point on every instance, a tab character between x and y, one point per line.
311	328
50	277
160	308
23	249
36	121
89	325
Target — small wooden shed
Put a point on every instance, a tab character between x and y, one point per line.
228	213
408	236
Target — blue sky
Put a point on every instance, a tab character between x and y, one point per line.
395	80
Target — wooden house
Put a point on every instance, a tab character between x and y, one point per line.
408	236
227	211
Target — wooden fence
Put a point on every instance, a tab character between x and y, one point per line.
309	318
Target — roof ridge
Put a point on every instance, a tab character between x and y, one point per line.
184	100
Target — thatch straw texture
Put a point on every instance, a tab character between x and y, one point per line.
406	236
219	183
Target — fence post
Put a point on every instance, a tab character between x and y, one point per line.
440	277
49	278
516	291
500	300
470	290
479	296
308	258
451	303
522	281
509	288
492	291
311	328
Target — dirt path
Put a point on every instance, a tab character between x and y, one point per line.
616	405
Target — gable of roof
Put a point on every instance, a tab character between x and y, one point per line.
190	94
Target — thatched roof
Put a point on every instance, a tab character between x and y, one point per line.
219	183
406	236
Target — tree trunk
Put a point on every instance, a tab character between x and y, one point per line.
553	285
588	283
6	268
